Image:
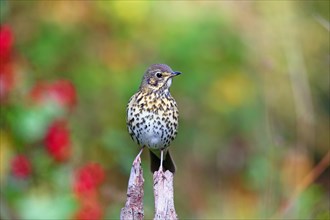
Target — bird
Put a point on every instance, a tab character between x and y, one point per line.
153	116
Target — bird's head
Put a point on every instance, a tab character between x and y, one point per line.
158	77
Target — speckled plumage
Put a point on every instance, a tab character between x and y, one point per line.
152	113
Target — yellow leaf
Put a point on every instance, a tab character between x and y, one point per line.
231	91
5	154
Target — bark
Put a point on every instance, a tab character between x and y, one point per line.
164	199
134	204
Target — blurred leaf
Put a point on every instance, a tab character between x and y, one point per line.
61	178
6	151
4	6
128	12
123	153
231	91
50	44
90	78
43	165
30	123
258	172
309	204
43	206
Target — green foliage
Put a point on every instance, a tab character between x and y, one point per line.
30	123
51	207
254	91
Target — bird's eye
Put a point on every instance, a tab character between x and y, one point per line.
159	74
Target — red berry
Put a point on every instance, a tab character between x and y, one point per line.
61	91
89	210
6	43
58	142
6	70
21	166
88	178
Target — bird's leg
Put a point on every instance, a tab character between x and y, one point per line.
137	158
161	161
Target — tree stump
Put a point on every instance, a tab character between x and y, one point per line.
134	204
164	199
163	192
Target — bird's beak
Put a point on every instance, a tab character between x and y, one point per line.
175	73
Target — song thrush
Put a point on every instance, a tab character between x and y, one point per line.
152	116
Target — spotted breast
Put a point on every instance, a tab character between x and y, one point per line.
152	119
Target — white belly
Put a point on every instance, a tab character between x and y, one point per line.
152	131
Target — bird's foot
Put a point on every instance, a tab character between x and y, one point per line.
161	161
138	157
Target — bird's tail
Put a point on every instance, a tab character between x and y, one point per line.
168	163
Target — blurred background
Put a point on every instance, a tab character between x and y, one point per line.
253	141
